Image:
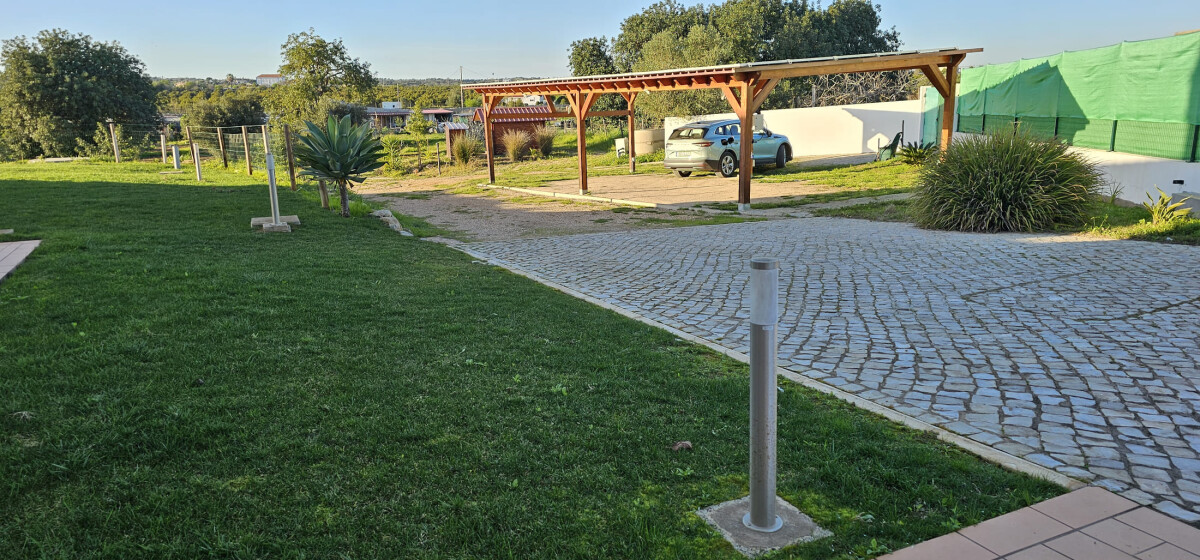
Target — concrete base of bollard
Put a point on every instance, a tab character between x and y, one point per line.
261	222
726	518
281	228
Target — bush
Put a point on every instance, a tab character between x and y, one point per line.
916	154
543	138
516	143
464	147
1005	181
393	145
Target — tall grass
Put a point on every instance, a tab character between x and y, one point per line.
516	143
1005	181
463	147
543	138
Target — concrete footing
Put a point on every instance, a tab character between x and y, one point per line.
726	518
743	207
277	228
5	231
261	222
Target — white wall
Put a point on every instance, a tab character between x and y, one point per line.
843	129
1139	175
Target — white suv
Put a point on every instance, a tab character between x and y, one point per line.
714	145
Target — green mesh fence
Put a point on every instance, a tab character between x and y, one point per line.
1037	126
1165	140
968	123
997	123
1151	89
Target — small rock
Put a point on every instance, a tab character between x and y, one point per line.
198	383
681	445
406	233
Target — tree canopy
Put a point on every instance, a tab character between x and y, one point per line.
56	87
230	109
669	34
316	69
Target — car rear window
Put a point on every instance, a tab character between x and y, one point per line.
688	133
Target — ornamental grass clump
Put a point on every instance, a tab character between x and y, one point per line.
516	143
463	147
543	138
1005	181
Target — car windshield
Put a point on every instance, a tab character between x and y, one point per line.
688	133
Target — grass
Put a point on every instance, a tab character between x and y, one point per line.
852	181
1105	220
173	384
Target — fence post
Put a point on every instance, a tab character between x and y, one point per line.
246	148
324	194
162	141
112	132
175	154
221	145
437	148
764	315
1112	142
1056	127
191	145
1195	141
266	141
196	161
291	157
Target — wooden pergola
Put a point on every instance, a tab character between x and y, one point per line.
745	86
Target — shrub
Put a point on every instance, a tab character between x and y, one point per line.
1005	181
464	147
916	154
516	143
393	145
543	138
1165	210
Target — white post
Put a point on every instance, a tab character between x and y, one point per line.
271	185
764	316
196	160
175	154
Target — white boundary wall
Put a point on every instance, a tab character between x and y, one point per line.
842	129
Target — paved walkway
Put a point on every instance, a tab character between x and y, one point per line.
1090	524
1079	355
13	253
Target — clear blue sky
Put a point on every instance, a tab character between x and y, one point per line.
501	39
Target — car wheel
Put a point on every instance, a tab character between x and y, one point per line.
781	157
728	164
682	173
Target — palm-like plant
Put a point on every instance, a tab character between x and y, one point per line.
342	154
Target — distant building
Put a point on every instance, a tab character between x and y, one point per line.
269	79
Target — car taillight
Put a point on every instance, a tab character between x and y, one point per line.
704	144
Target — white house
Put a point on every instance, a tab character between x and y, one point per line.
269	79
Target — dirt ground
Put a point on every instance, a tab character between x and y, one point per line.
476	214
471	213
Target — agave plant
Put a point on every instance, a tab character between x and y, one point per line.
1166	209
341	154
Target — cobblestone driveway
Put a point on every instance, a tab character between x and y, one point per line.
1082	356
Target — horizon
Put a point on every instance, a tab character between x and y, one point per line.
529	43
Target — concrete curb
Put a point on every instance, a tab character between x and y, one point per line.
1005	460
588	198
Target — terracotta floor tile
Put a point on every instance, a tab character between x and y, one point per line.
1085	506
1121	536
1078	546
1013	531
947	547
1175	532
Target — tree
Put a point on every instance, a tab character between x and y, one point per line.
418	126
341	154
702	46
590	57
55	89
315	69
638	29
225	110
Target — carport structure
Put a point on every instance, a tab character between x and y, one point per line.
746	87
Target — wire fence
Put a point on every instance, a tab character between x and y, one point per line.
239	148
1158	139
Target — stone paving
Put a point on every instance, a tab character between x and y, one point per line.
1080	355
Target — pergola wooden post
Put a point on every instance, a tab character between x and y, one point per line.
581	103
630	97
489	105
745	86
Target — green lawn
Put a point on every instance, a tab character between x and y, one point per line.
851	181
1105	220
173	384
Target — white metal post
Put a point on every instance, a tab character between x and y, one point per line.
271	186
175	154
764	315
196	161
